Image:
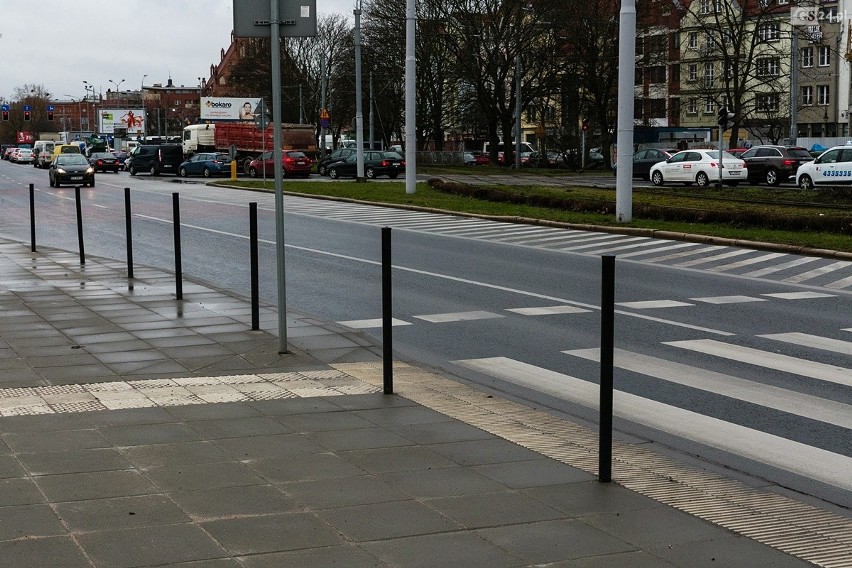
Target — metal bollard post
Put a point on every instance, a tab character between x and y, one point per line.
387	312
178	269
607	345
255	286
127	217
32	219
80	225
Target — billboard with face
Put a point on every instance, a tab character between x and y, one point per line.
229	108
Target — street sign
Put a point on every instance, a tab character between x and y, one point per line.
297	18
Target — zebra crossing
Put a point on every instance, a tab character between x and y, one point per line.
753	440
785	267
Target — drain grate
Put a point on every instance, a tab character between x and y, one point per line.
806	532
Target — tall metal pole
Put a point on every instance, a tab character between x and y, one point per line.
322	104
794	85
518	73
370	113
359	111
410	101
624	140
275	42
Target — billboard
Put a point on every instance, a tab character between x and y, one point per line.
131	119
229	108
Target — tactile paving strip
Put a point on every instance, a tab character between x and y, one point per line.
812	534
177	392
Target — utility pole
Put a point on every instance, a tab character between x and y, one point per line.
359	112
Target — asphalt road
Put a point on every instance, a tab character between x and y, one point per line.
748	372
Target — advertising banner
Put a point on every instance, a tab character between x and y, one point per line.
229	108
24	137
131	119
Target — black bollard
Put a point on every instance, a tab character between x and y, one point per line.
387	312
178	269
255	280
32	219
607	346
127	217
80	225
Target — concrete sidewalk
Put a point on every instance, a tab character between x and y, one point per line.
138	430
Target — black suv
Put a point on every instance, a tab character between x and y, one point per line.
155	159
774	164
336	156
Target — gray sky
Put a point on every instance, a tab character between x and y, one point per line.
59	44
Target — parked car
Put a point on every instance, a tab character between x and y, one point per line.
376	164
336	156
294	163
22	156
43	153
549	159
7	151
643	160
774	164
104	162
155	158
206	164
832	167
71	168
700	167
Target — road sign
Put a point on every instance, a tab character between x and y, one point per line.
325	120
298	18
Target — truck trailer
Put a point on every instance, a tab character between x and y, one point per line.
244	141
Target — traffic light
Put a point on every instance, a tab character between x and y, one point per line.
49	112
585	125
725	117
5	115
26	115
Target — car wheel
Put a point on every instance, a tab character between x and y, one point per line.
370	173
52	183
805	182
702	180
322	170
132	171
183	172
772	177
207	173
252	172
657	178
393	175
154	171
92	183
332	173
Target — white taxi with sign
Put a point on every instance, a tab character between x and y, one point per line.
700	167
834	167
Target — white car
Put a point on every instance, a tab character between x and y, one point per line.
834	166
700	167
21	156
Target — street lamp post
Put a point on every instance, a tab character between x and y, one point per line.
117	89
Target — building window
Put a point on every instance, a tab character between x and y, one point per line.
708	74
692	106
692	72
768	66
658	44
638	74
657	108
768	102
807	57
807	95
709	6
783	1
709	106
822	95
658	74
692	40
770	31
824	56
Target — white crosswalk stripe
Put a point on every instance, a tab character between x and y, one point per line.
770	396
814	341
775	361
458	316
802	459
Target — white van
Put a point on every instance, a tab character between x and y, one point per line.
43	153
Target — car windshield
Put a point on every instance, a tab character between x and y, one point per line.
71	160
714	154
222	157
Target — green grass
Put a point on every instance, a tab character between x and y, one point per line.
770	202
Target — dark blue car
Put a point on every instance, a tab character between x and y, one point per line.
206	164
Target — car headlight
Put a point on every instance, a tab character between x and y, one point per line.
60	171
90	170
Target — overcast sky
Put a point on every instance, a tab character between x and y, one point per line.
59	44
